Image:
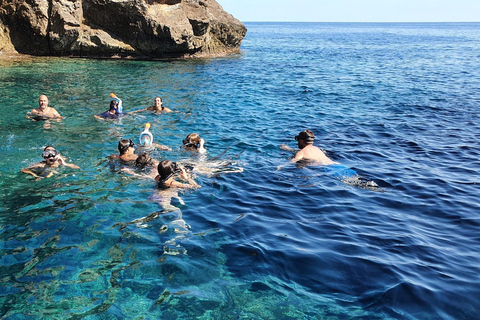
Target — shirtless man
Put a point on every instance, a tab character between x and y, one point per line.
157	107
44	169
307	150
43	111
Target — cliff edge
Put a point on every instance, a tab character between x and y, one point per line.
118	28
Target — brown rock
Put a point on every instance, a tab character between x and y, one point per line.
105	28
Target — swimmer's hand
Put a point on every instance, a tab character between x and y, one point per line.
286	148
183	174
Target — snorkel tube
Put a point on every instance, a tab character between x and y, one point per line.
146	137
119	107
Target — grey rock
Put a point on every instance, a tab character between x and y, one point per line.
118	28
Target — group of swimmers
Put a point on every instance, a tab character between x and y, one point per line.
165	169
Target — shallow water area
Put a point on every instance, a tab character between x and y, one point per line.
396	103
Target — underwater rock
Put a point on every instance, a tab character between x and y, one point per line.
118	28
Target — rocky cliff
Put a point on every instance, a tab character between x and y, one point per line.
118	28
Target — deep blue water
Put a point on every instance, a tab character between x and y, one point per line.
398	103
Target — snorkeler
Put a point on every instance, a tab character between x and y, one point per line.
146	140
43	112
166	176
115	111
157	107
144	163
307	150
53	159
193	142
126	151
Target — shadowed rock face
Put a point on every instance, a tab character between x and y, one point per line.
106	28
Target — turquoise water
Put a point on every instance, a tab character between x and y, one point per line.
397	103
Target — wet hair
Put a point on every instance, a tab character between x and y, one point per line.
192	141
124	144
166	169
306	136
114	105
144	160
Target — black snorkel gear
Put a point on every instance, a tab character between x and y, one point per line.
306	136
50	152
123	146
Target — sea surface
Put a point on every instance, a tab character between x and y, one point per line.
397	103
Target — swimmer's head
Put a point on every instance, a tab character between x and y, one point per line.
307	136
50	154
114	105
145	140
144	160
167	169
124	144
43	101
157	102
192	141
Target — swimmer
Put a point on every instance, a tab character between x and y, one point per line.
115	110
44	169
43	112
157	107
146	140
126	151
166	176
307	150
143	162
193	142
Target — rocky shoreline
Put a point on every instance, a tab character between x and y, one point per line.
129	29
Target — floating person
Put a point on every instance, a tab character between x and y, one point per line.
167	171
157	107
313	154
308	151
193	142
146	140
43	112
115	111
144	163
126	150
45	169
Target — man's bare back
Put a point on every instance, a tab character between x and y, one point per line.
312	153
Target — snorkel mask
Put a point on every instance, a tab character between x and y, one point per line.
114	105
306	136
124	147
176	168
49	153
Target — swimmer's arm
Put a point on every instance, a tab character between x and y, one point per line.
61	161
167	110
191	182
30	172
162	147
136	111
71	165
57	115
31	114
298	157
287	148
100	118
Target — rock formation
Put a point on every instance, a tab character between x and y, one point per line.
118	28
